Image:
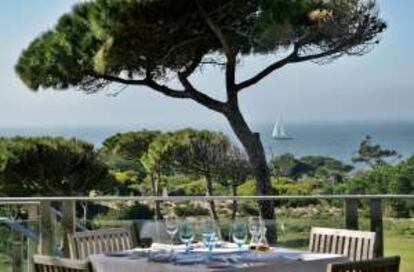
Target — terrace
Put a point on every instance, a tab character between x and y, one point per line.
49	220
227	196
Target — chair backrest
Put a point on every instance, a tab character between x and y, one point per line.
356	245
83	244
389	264
44	263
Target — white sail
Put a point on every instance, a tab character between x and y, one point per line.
275	132
279	131
282	132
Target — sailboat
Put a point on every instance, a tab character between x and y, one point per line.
279	132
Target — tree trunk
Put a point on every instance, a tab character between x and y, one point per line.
255	151
234	193
209	187
154	187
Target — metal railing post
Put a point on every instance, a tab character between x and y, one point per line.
32	246
376	226
17	251
351	213
68	223
46	228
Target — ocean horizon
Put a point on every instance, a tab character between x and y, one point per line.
339	140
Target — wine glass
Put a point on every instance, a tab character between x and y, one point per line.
171	226
239	233
186	233
209	235
255	226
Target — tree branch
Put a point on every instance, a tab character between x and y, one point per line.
268	70
319	55
231	81
189	92
216	30
148	82
291	58
121	80
196	95
229	52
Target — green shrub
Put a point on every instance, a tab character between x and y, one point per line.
284	186
128	212
247	189
127	182
197	188
191	209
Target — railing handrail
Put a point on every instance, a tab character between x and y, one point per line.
36	200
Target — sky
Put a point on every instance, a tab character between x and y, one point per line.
377	86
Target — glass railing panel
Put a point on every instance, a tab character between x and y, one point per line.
19	241
294	219
399	231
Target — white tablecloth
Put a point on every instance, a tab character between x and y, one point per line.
278	259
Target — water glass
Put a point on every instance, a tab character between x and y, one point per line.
209	234
255	226
186	233
239	233
171	226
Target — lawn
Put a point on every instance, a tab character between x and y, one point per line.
403	246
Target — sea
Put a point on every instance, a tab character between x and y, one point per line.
339	140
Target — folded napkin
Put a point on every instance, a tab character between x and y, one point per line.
117	254
273	256
176	248
224	248
160	247
160	256
252	257
189	258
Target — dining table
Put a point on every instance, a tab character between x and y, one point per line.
161	258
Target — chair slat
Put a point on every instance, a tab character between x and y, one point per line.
334	247
359	249
99	241
322	244
44	263
356	245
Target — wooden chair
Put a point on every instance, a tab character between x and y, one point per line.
44	263
83	244
356	245
389	264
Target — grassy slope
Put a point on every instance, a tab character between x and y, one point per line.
403	246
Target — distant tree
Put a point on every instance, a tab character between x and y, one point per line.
146	43
387	179
50	166
4	152
286	165
235	169
403	183
158	161
327	168
319	167
375	181
122	153
372	154
201	153
127	149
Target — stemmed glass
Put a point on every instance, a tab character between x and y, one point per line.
186	233
239	233
171	226
255	227
209	235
